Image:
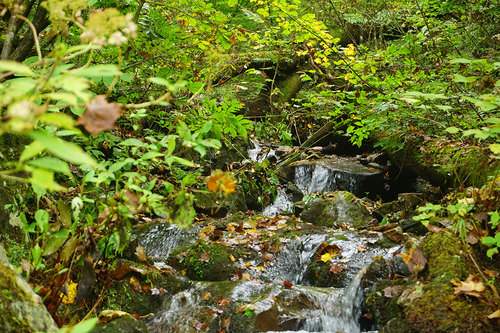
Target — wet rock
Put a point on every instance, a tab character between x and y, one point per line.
336	173
343	207
409	225
21	310
155	288
395	234
204	262
378	270
294	192
125	324
159	238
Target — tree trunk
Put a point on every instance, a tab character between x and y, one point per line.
40	21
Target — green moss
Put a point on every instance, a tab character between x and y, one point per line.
439	310
204	262
444	257
121	295
318	274
383	309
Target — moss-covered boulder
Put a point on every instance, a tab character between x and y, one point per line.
143	293
125	324
204	262
343	207
429	303
217	205
21	310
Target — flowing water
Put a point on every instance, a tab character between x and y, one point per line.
300	307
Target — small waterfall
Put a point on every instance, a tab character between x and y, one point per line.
339	314
282	204
160	239
291	265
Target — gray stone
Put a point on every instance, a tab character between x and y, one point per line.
21	310
343	207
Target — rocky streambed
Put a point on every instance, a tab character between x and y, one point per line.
333	253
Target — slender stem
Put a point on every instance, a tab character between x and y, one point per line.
35	35
165	96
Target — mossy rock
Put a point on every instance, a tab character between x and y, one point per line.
125	324
318	274
122	296
444	254
21	310
204	262
437	309
343	207
384	309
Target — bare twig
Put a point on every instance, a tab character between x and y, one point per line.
35	35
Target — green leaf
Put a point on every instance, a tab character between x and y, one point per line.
64	150
36	252
66	98
85	326
232	3
64	216
43	179
42	220
495	148
492	252
132	142
51	163
488	241
32	150
98	71
55	242
464	79
16	67
59	119
452	130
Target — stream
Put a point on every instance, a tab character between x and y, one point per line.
287	293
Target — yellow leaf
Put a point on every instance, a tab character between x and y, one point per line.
71	294
233	259
326	257
495	314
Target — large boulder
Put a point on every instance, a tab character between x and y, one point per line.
343	207
21	310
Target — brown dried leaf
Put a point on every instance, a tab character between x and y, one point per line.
206	296
135	284
414	259
141	253
246	276
100	115
393	291
267	256
337	268
287	284
495	314
472	286
205	257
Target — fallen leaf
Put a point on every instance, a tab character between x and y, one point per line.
225	322
205	257
135	284
392	291
245	276
287	284
327	251
246	307
495	314
100	115
108	315
206	296
141	253
201	326
337	268
222	302
326	257
267	256
362	248
472	286
414	259
233	259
